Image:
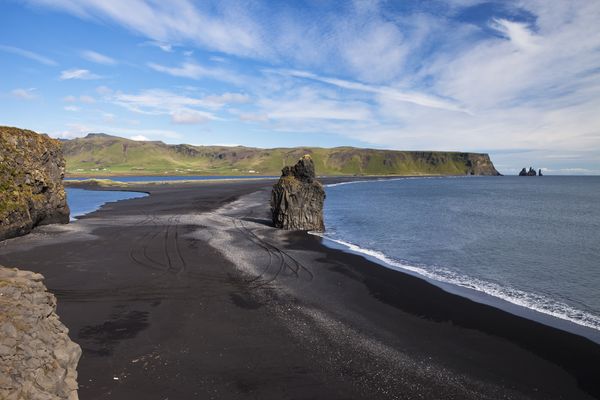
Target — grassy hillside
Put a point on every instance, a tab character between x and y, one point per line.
100	154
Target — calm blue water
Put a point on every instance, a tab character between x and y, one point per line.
85	201
168	178
532	241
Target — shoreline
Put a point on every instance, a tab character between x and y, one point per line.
207	244
478	296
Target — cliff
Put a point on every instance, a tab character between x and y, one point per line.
31	191
37	358
297	198
100	154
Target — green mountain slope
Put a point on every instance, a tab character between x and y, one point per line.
100	154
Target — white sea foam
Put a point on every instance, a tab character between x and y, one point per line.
518	297
389	180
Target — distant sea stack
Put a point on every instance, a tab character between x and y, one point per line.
37	358
297	199
32	167
531	172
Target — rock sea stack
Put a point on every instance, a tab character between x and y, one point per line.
297	198
37	358
531	172
32	168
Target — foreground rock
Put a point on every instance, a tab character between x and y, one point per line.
31	191
297	199
37	358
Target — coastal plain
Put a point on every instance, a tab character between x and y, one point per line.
190	293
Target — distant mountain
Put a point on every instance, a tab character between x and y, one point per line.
101	154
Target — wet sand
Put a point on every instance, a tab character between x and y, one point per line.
189	293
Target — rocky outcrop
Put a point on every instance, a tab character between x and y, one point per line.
297	199
479	164
37	358
31	191
531	172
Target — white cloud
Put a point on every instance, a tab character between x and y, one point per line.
103	90
518	33
78	74
233	31
307	104
24	94
98	58
253	117
87	99
151	100
187	116
72	108
28	54
389	92
217	101
141	138
166	47
83	99
108	117
73	130
182	109
194	70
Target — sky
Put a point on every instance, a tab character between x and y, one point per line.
519	80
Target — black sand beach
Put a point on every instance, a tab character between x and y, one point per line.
189	293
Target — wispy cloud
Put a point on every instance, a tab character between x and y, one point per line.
233	31
83	99
187	116
308	104
78	74
98	58
194	70
166	47
87	99
389	92
182	109
28	54
24	94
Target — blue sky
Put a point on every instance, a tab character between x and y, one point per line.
517	79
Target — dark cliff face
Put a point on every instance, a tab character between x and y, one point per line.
297	199
31	190
480	164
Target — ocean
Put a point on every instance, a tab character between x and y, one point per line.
529	242
82	201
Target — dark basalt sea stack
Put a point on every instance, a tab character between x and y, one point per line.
531	172
32	167
297	199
